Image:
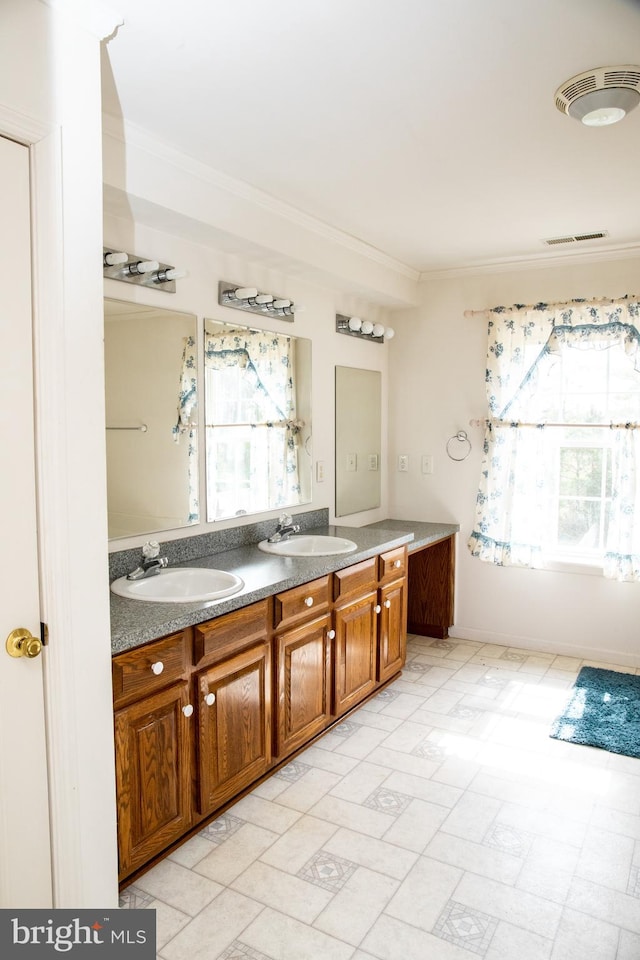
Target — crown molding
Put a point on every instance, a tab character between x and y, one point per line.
133	135
96	17
624	251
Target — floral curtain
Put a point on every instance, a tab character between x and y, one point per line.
186	426
523	394
265	400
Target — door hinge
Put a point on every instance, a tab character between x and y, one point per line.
44	633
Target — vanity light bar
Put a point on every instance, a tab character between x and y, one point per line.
251	300
355	327
118	265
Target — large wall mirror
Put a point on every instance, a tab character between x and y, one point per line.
257	412
151	419
358	439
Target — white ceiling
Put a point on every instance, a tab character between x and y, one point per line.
425	128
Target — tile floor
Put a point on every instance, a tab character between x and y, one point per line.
438	822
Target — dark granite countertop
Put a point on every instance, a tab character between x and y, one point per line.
424	532
134	622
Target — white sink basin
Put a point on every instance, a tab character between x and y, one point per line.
309	545
184	585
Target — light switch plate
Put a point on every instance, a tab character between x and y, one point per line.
427	463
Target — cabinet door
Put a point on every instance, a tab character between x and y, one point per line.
234	725
153	774
303	665
392	638
355	652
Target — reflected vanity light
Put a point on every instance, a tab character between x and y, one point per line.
355	327
251	300
129	268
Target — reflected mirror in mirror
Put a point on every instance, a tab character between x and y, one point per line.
358	440
151	418
257	396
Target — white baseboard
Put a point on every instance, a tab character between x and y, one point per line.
560	648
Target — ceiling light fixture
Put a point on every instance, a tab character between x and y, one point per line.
355	327
601	96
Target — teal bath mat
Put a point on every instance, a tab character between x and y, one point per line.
603	710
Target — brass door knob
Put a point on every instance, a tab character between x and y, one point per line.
22	643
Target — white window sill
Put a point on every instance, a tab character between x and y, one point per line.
567	564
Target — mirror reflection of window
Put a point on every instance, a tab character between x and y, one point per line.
257	415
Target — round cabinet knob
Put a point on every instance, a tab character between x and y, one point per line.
188	710
331	634
397	564
387	603
377	608
210	699
308	601
157	667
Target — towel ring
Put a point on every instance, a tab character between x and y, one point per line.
459	437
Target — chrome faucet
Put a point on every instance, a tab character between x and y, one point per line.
284	529
150	564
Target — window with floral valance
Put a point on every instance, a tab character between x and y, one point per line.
560	475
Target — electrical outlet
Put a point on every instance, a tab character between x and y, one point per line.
427	463
403	463
320	471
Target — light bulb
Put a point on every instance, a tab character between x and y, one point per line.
367	327
245	293
280	304
264	298
354	324
603	116
389	333
162	276
378	330
142	266
115	259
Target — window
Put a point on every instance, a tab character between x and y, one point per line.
558	481
252	431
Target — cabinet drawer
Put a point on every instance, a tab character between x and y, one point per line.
144	670
356	579
229	634
295	605
393	564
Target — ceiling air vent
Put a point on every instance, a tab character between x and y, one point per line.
600	96
576	237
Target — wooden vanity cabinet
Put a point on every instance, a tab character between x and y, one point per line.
203	714
392	626
356	634
153	747
234	725
233	700
302	645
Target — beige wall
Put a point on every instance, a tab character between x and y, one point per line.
436	387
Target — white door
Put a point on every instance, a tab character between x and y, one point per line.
25	848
